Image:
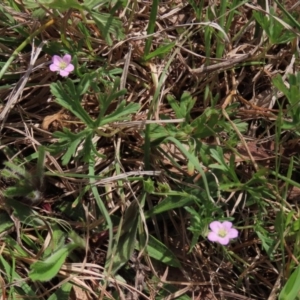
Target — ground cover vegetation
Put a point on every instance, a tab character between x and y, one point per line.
149	149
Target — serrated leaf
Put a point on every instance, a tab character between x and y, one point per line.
175	106
71	150
68	97
120	112
109	26
70	141
85	83
187	102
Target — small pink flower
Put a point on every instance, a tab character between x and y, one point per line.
62	65
222	232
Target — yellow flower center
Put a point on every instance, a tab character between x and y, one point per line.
222	233
62	65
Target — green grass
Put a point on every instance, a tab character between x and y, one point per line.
111	176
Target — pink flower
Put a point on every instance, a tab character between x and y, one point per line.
222	232
62	65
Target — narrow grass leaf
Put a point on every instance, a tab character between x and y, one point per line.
101	206
168	290
292	287
151	26
24	289
288	15
160	51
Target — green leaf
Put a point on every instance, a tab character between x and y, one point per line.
151	25
120	112
274	29
68	97
158	132
196	226
219	158
16	171
292	94
194	160
149	185
70	141
90	4
87	147
22	188
47	269
161	50
108	26
187	102
169	289
24	289
161	252
171	202
292	20
207	124
106	99
77	239
267	243
25	214
6	221
183	107
84	84
62	293
126	242
176	107
292	287
279	84
61	5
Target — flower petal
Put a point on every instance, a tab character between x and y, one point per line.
56	60
227	225
67	58
215	226
63	73
223	240
232	233
54	68
213	237
69	68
